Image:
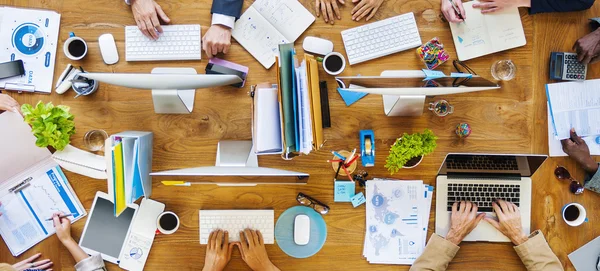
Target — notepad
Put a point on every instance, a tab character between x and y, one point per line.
268	23
484	34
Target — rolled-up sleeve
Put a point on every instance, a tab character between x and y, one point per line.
592	181
537	255
438	253
92	263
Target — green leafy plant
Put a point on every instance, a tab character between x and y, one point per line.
51	125
408	147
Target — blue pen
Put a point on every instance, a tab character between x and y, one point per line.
339	155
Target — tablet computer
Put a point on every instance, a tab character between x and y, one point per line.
104	233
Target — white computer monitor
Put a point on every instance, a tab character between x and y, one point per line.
235	159
173	89
404	92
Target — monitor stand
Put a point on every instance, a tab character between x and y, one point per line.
236	154
173	101
405	105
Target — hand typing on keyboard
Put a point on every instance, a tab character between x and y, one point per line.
365	8
463	220
146	14
509	221
251	246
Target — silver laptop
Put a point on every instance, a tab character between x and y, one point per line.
481	178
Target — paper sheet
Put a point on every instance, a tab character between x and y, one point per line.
289	17
555	147
575	105
268	130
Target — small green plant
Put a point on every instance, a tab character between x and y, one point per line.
51	125
408	147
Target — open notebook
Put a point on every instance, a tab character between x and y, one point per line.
484	34
268	23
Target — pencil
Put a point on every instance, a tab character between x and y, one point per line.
338	170
352	160
347	173
335	161
338	155
351	156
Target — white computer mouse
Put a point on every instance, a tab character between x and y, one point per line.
317	46
302	230
108	49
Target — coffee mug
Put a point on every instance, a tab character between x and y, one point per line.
574	214
75	48
167	223
334	63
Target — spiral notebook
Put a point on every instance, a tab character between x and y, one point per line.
81	162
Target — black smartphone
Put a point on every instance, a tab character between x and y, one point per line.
217	69
12	68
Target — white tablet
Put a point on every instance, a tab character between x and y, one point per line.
104	233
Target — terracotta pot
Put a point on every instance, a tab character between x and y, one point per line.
414	162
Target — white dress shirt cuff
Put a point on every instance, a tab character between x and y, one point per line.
225	20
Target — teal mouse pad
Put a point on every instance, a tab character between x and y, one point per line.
284	232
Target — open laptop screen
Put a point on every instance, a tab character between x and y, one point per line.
482	164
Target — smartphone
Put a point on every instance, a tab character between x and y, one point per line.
12	68
217	69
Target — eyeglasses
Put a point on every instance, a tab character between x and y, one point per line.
461	67
315	204
563	174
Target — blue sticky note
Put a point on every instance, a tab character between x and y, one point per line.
351	97
358	199
343	191
461	75
431	74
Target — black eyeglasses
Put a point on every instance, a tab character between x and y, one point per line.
315	204
563	174
461	67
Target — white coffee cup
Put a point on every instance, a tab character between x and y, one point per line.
68	51
581	218
330	57
160	227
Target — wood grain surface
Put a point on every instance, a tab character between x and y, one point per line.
509	120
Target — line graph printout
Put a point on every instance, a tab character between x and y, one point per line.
23	222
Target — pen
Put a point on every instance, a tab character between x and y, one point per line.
347	173
338	155
61	217
334	161
351	156
456	10
352	160
338	171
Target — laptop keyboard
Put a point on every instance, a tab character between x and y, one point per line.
483	194
482	162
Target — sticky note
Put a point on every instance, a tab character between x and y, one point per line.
431	74
358	199
343	191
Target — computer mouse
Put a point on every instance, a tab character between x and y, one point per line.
317	46
108	49
301	230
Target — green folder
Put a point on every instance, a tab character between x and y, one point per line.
287	95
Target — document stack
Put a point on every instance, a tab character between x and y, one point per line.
573	105
129	161
397	220
287	116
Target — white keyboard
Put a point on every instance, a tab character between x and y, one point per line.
381	38
235	221
177	42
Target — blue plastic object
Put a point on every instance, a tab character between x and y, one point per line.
367	157
351	97
284	232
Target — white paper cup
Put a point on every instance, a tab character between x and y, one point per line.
580	219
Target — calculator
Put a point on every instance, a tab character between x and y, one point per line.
564	66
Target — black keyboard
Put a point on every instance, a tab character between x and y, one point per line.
483	194
482	162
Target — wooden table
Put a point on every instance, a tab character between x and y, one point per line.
509	120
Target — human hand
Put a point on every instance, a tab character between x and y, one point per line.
218	251
365	8
62	226
216	40
450	13
463	220
489	6
7	103
577	149
509	221
252	247
588	48
145	13
30	264
328	8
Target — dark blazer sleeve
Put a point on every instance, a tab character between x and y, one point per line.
540	6
231	8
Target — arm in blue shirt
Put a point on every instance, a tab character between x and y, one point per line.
540	6
592	181
231	8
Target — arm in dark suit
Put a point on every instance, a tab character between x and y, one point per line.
540	6
231	8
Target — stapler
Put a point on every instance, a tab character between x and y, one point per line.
367	148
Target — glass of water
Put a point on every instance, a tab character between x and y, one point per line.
94	139
504	70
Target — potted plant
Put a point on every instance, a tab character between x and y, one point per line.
51	125
408	150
